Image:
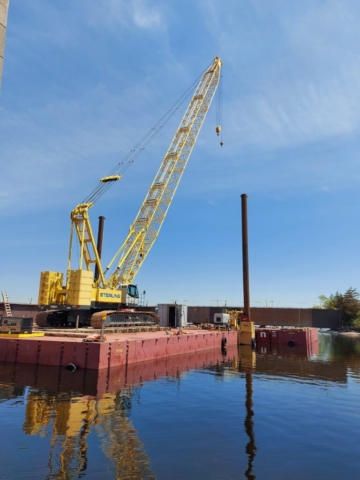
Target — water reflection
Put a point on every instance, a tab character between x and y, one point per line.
249	428
69	417
245	362
71	408
316	363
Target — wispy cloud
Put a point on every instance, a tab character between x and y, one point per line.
53	150
65	25
298	113
139	13
303	86
277	99
146	15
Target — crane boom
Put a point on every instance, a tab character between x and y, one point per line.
148	222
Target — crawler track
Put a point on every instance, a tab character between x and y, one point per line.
124	319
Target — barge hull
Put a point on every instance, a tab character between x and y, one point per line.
117	350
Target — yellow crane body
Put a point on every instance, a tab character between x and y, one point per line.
114	284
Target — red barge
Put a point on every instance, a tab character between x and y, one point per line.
116	350
120	349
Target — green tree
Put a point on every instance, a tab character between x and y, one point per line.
348	303
323	299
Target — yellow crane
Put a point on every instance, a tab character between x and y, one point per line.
84	294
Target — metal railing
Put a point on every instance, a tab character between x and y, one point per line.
21	300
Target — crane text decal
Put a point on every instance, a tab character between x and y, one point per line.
111	295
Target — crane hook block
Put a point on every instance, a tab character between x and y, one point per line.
218	130
111	178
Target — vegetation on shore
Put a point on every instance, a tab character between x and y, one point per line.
348	303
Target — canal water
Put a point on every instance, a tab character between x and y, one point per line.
222	415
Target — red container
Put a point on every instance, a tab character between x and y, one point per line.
274	337
286	336
262	336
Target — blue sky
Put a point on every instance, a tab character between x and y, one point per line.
84	81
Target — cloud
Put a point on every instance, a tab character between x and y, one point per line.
326	30
288	86
146	16
139	13
61	147
293	84
65	25
293	114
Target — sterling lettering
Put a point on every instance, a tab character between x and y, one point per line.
110	295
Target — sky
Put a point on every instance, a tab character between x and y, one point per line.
84	81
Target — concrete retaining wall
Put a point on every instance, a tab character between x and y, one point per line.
291	317
20	309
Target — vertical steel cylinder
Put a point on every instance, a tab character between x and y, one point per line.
99	244
245	256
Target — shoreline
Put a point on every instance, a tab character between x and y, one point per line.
348	333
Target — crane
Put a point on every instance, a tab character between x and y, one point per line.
87	295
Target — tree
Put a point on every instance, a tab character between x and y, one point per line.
323	299
348	303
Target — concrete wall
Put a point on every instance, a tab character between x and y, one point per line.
294	317
297	317
20	309
4	5
199	315
321	320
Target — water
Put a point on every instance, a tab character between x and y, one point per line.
205	416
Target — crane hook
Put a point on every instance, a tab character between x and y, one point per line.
218	130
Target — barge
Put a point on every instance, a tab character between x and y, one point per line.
116	349
78	350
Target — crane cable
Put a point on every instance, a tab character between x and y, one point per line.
132	155
219	116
